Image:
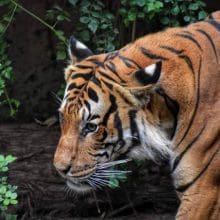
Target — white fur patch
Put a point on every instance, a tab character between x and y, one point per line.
64	100
150	69
80	45
154	143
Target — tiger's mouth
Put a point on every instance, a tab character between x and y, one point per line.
96	178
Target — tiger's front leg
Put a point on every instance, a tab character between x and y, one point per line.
201	201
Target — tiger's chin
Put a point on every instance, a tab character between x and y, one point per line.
79	187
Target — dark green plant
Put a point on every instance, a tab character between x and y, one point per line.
6	70
56	15
96	25
180	12
8	195
168	12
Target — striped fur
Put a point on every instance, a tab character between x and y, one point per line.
155	98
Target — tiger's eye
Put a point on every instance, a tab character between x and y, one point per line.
91	127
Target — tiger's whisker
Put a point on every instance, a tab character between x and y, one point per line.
113	163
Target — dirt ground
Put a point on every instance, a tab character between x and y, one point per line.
147	194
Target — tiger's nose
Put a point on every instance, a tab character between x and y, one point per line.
62	169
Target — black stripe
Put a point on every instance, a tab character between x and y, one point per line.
96	61
109	85
171	49
151	55
74	86
188	62
106	76
113	107
210	41
186	186
124	98
187	32
173	107
112	55
71	86
85	76
104	154
104	136
215	24
93	95
87	106
84	66
70	99
210	16
118	126
134	128
196	105
179	157
94	117
191	38
119	145
96	81
111	66
128	62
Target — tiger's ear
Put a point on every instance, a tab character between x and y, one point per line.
145	80
148	75
77	50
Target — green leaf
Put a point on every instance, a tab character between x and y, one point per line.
2	158
114	183
202	15
73	2
3	189
10	158
141	15
14	195
8	194
2	28
60	18
122	11
4	169
13	201
132	15
84	19
140	3
61	55
96	14
93	25
165	20
84	35
186	18
193	6
6	202
175	10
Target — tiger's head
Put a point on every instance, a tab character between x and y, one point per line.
104	115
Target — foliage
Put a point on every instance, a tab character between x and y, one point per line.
96	25
6	70
8	195
56	15
114	181
169	12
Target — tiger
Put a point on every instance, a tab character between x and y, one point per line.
156	98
